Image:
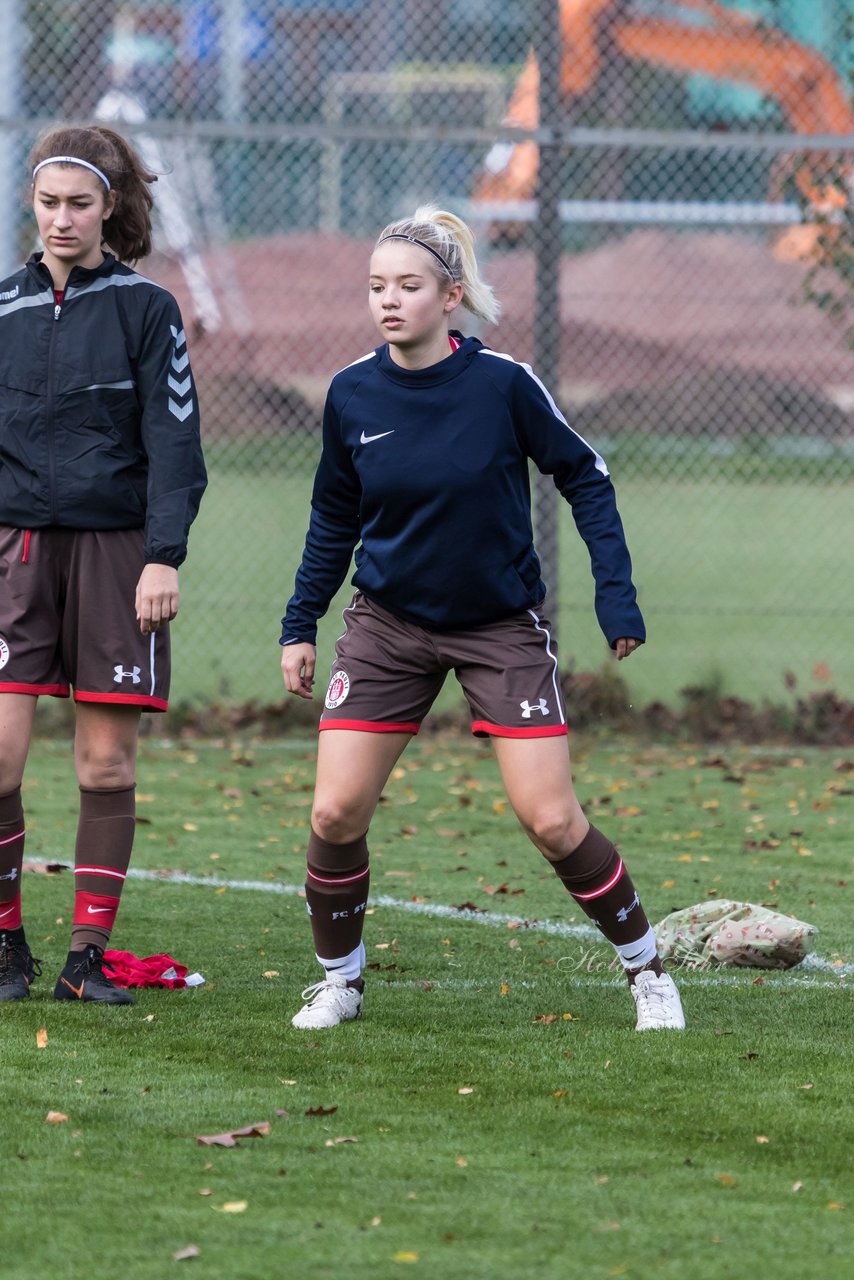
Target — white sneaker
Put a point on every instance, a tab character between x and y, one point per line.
658	1003
329	1002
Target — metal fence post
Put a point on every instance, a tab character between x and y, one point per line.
548	253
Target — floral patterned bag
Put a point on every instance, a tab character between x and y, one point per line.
724	932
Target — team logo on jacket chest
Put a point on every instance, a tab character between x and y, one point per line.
4	653
339	687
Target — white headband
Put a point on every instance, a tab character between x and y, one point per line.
73	160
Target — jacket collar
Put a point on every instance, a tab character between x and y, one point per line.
79	276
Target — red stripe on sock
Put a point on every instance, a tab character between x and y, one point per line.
335	880
597	893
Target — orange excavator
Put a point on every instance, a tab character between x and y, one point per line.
705	38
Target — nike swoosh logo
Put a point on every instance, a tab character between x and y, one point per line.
363	439
96	911
6	913
78	991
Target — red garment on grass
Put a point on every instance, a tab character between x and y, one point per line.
127	970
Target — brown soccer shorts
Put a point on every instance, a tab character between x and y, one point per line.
68	620
387	674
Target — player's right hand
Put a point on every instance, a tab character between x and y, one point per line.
298	662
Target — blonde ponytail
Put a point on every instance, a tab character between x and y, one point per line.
450	243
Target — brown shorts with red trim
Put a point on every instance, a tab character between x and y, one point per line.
68	619
387	674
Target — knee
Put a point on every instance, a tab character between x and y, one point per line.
106	771
338	821
556	832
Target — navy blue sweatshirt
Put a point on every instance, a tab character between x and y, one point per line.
427	470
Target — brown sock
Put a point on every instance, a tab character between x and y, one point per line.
595	875
12	834
336	894
105	834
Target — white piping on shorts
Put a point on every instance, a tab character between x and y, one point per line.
555	680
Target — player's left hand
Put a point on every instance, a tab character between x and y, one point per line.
626	646
157	597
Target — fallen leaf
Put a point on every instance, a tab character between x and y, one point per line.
321	1111
796	1186
762	1140
205	1191
336	1142
834	1204
55	1117
727	1180
544	1017
232	1206
191	1251
505	988
230	1139
41	1038
270	973
405	1256
466	1089
560	1093
462	1162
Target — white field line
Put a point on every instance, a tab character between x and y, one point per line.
491	919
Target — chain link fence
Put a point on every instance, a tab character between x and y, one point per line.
650	181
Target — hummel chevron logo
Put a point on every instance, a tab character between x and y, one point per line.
363	439
181	411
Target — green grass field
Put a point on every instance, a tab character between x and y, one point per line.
493	1113
739	582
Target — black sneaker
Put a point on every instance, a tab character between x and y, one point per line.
83	978
17	968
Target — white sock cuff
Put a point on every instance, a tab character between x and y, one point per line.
634	955
350	966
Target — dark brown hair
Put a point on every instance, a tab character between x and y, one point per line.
127	231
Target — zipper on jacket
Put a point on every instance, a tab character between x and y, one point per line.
50	428
25	556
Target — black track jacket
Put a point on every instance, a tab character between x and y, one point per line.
99	422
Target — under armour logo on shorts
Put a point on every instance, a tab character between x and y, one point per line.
121	674
542	706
